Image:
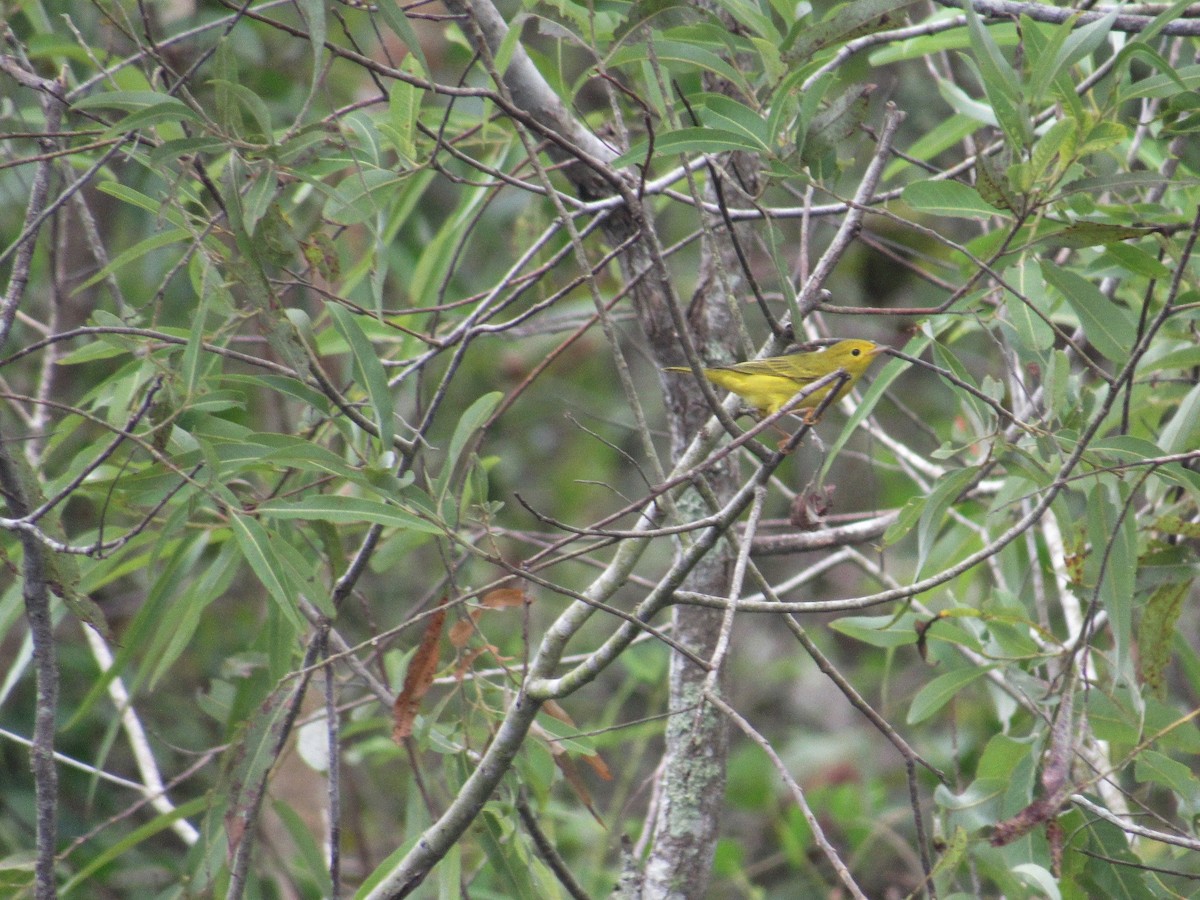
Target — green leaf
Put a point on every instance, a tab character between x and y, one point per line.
136	198
1112	563
1182	78
830	128
909	515
1032	329
258	198
183	618
170	151
1180	434
684	55
664	13
137	251
118	848
362	196
255	544
348	511
1156	633
879	631
993	187
1136	260
1003	33
193	355
313	13
941	691
474	417
1070	43
404	107
948	488
1059	142
1125	878
893	370
505	864
948	198
1092	234
170	110
936	140
842	23
691	140
1000	83
132	101
398	22
1158	768
1107	325
370	370
1151	57
726	114
251	102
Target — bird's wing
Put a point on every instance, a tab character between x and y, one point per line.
787	367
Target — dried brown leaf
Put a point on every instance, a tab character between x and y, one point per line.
574	778
418	678
552	709
462	630
502	598
467	660
599	766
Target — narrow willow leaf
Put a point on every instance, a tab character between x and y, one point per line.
729	115
255	544
507	866
1092	234
1070	43
940	691
155	826
137	251
1000	82
1032	329
1156	633
1004	34
370	370
248	762
1158	768
313	12
890	372
398	22
879	631
948	488
691	140
681	53
832	126
348	511
404	107
211	583
1113	537
948	198
1108	325
134	101
471	420
1136	260
1180	434
846	21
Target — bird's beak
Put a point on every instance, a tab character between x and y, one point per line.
879	348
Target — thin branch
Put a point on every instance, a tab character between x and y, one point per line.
814	824
1057	15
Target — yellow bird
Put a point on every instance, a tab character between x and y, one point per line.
768	384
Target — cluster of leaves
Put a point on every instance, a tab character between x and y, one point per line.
297	371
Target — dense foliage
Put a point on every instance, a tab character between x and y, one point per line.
352	538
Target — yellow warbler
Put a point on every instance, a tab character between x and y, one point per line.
768	384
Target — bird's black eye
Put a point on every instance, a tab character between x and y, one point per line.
855	352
